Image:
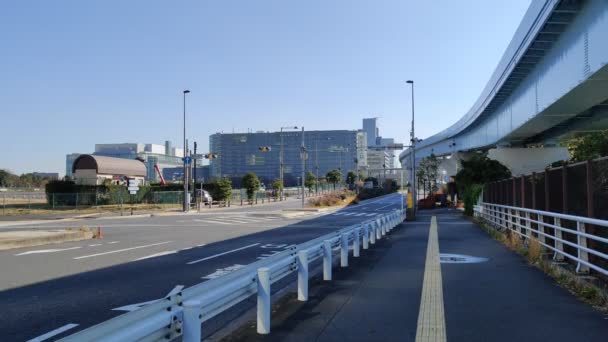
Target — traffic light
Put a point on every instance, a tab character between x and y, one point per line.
210	156
264	148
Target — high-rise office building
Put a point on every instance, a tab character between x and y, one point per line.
239	153
370	127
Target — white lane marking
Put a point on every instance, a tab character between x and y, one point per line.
384	206
137	306
267	255
216	222
223	271
113	242
40	251
122	250
360	214
231	220
224	253
201	245
156	255
371	214
349	214
53	333
95	245
273	246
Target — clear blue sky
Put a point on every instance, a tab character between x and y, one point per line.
76	73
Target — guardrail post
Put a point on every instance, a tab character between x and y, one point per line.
356	244
263	300
344	250
365	236
541	228
558	244
327	255
528	225
372	233
581	242
192	321
378	230
303	276
384	225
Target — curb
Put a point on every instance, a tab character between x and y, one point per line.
45	240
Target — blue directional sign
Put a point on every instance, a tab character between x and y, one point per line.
187	160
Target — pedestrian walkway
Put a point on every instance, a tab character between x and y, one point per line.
400	292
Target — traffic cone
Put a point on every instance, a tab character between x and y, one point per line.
99	234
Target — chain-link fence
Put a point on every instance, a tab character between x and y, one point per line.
15	203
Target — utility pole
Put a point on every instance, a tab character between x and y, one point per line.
194	168
303	157
186	199
413	144
317	164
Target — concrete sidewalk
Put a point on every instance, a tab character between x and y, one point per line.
378	298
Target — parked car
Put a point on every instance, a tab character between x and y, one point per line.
204	196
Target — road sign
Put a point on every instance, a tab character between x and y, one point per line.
133	182
133	188
132	192
187	160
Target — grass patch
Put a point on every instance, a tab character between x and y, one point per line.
595	295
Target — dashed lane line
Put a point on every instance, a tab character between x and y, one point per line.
220	254
53	333
41	251
121	250
156	255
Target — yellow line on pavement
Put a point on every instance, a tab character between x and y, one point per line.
431	318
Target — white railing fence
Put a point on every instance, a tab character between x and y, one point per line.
549	228
184	313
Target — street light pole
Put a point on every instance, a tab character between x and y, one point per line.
303	164
317	165
186	202
413	143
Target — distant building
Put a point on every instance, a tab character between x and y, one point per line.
96	170
239	153
391	153
176	174
69	163
370	128
377	159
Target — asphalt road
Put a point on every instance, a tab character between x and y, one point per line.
76	285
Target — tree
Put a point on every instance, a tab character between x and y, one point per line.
334	176
221	189
480	169
588	146
427	173
351	177
311	180
251	183
277	186
474	173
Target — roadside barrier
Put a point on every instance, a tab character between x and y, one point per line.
551	230
183	314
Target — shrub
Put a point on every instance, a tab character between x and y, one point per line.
470	197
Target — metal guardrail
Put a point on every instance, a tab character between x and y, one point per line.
184	313
526	222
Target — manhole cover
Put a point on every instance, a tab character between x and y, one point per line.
459	259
